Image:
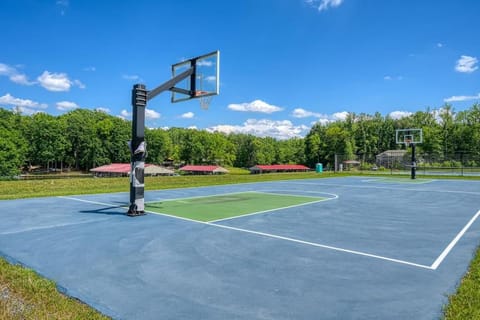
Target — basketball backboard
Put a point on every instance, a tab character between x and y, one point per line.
408	136
203	82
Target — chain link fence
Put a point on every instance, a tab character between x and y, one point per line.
400	162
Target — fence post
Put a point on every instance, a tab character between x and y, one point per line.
335	164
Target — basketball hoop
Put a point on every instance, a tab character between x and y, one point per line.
410	138
204	99
408	142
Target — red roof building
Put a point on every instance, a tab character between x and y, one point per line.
123	170
279	168
203	169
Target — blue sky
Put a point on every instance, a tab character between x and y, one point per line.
285	64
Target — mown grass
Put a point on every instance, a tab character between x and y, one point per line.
465	304
26	295
74	186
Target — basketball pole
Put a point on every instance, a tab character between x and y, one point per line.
414	162
138	151
138	148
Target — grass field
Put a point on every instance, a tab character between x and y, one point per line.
75	186
25	295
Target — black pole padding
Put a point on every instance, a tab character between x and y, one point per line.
138	151
414	162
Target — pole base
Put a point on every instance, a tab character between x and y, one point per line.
135	213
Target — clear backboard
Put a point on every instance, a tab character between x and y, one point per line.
203	83
408	136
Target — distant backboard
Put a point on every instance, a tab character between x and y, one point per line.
408	136
205	80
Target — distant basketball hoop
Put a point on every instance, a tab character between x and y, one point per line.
410	138
407	141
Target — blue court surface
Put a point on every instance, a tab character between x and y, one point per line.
378	248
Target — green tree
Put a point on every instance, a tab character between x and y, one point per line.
86	149
13	146
47	141
159	145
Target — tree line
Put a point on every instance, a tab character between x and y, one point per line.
82	139
446	133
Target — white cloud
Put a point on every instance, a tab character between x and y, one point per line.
461	98
124	114
187	115
322	5
466	64
6	70
211	78
14	75
130	77
322	118
388	78
54	81
193	127
57	81
302	113
48	80
66	105
25	110
79	84
254	106
62	4
437	114
283	129
340	116
21	79
90	69
8	99
151	114
399	114
102	109
205	63
439	45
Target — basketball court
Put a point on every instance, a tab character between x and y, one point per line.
338	248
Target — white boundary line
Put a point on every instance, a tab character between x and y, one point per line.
276	193
365	186
400	180
272	191
59	225
92	202
452	244
323	246
272	236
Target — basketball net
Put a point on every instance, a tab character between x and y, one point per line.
204	99
408	142
205	102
